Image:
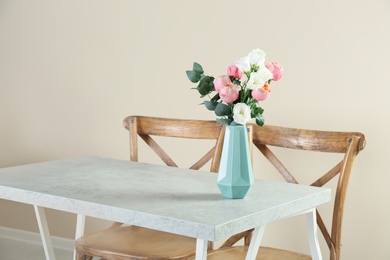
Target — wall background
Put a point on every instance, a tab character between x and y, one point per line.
70	71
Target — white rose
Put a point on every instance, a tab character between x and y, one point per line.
243	64
259	78
255	57
241	113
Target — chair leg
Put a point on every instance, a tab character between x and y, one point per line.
80	256
248	238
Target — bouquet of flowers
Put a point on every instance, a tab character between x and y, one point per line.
237	98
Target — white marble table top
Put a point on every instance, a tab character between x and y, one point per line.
175	200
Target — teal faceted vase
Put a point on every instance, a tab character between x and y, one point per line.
235	175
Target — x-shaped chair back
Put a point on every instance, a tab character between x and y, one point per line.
148	127
347	143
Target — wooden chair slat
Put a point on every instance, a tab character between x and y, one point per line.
276	162
158	150
328	176
234	239
182	128
324	230
202	161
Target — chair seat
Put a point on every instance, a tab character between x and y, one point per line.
132	242
265	253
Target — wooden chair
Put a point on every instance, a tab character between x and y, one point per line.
348	144
131	242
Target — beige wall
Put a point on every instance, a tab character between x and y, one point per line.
70	71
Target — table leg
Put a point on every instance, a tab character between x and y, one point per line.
311	221
201	249
80	224
44	231
255	243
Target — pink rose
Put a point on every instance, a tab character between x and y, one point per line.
262	94
275	69
228	92
234	71
221	81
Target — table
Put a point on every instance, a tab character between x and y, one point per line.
174	200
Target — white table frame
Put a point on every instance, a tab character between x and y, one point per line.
13	189
201	244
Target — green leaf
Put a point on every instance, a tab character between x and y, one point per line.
193	76
203	88
224	121
236	82
211	105
259	110
197	68
260	119
223	110
206	85
211	83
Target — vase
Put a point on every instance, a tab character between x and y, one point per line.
235	175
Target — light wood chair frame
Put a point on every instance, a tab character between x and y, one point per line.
148	127
348	143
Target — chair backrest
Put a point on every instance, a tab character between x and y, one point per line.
147	127
348	144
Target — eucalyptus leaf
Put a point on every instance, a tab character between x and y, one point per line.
210	105
204	86
193	76
259	110
210	81
211	84
236	82
223	110
259	119
198	68
224	121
